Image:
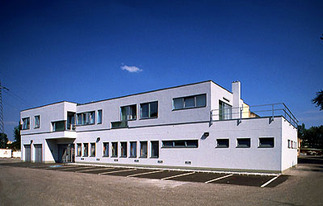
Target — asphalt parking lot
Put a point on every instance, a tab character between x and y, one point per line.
163	174
55	184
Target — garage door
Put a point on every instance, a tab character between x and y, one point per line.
38	153
27	153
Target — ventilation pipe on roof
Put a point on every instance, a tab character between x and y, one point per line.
236	91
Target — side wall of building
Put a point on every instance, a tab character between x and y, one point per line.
289	145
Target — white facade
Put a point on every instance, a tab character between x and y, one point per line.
215	130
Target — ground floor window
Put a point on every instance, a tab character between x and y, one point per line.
105	149
243	142
92	149
85	149
222	143
180	144
143	149
114	149
154	149
79	149
123	149
266	142
133	149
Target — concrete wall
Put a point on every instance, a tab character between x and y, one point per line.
206	155
6	153
166	115
289	155
48	114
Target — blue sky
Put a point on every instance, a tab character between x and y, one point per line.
75	50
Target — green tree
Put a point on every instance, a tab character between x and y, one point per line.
3	140
313	137
16	145
318	100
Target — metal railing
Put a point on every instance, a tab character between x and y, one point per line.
256	111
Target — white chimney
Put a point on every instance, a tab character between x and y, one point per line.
236	91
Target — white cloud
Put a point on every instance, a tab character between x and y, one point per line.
132	69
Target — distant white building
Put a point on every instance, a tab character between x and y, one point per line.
200	125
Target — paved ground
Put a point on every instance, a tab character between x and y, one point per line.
38	184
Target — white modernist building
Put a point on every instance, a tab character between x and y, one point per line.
200	125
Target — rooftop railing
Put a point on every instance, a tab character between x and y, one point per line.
256	111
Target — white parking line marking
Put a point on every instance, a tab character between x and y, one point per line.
219	178
167	178
103	173
144	173
267	183
92	169
71	168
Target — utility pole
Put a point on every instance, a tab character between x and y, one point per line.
1	108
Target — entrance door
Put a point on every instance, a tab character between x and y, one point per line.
27	153
66	153
38	153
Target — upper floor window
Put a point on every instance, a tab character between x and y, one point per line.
189	102
225	111
26	123
129	112
37	121
100	116
58	126
149	110
86	118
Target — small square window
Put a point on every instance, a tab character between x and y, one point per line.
222	143
266	142
243	143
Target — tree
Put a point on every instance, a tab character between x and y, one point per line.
3	140
318	100
16	145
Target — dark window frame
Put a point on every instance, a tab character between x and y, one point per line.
38	125
27	123
114	147
132	106
142	155
100	117
241	145
123	149
85	149
152	149
222	143
104	153
91	154
149	110
180	144
265	144
131	155
183	106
